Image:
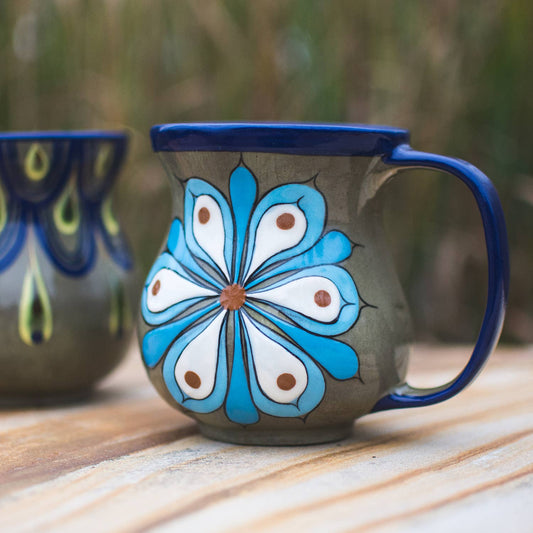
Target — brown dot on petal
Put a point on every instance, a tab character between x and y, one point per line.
156	287
322	298
285	221
204	215
286	381
192	379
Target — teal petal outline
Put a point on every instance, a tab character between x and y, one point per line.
218	394
343	281
313	205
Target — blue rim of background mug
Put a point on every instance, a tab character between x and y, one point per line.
281	138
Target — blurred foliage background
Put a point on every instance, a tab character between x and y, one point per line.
457	74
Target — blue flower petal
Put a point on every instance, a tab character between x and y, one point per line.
239	405
166	261
308	201
216	229
333	247
315	385
348	304
217	357
156	342
177	246
339	359
243	192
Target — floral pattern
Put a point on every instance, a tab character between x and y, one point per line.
246	299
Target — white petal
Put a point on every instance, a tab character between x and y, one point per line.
208	229
275	366
196	367
170	289
313	296
281	227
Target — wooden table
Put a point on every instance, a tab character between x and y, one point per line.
125	461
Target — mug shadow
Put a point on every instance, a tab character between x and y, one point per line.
78	399
362	436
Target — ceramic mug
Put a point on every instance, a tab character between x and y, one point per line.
65	267
273	314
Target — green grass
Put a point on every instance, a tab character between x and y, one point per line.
457	74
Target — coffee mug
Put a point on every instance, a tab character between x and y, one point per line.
273	314
66	277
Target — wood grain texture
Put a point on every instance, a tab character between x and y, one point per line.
125	461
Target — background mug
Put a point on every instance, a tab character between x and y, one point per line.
66	272
273	314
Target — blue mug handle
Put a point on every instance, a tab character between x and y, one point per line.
498	269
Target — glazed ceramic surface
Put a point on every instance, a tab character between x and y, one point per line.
273	314
65	266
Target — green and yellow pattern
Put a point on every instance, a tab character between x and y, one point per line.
35	311
36	162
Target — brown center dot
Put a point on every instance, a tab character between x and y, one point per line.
232	297
286	381
322	298
204	215
156	288
285	221
192	379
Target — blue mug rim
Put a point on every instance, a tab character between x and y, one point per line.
62	135
298	138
